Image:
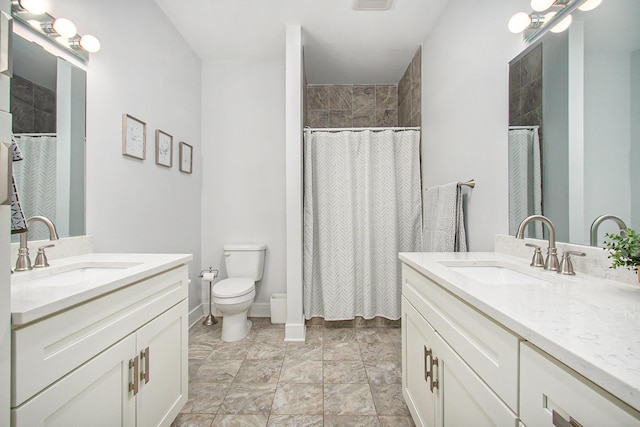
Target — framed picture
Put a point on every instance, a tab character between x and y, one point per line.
164	149
134	137
186	157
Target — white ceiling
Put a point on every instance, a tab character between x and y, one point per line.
341	45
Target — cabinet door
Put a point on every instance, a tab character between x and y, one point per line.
548	386
417	339
162	347
95	394
464	399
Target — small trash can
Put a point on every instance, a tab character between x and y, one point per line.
278	308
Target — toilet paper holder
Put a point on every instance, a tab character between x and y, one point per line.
209	275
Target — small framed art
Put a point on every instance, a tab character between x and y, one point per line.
186	157
134	137
164	149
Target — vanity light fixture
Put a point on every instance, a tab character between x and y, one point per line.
541	5
558	15
589	5
61	30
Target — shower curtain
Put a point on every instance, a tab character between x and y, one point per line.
36	179
525	180
362	205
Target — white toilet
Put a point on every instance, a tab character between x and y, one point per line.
233	296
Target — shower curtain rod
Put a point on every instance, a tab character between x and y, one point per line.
524	127
374	129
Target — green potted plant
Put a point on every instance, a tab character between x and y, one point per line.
624	249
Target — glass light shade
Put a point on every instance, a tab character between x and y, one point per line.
90	43
548	17
37	7
62	40
541	5
589	5
519	22
562	25
64	27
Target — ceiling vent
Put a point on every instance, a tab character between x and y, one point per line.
371	4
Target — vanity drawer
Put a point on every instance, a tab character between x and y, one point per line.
44	351
547	385
488	348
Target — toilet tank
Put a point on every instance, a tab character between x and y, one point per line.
245	260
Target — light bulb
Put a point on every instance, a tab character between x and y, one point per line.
90	43
62	41
562	25
541	5
548	17
35	24
37	7
64	27
589	5
519	22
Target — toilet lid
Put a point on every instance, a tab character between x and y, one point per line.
233	287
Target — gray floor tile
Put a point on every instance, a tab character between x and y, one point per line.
248	399
348	399
388	399
301	399
344	371
259	371
193	420
298	371
226	420
295	421
350	421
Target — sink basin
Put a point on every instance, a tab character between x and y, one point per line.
492	274
70	274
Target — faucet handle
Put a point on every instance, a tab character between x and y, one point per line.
566	266
537	260
41	258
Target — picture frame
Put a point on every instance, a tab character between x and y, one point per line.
164	149
186	157
134	137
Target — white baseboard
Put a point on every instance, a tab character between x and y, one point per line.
196	314
294	332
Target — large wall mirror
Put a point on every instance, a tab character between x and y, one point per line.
48	105
574	124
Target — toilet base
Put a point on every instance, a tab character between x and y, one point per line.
235	327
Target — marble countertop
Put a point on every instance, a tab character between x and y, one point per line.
588	323
34	297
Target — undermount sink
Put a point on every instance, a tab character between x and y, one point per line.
69	274
494	274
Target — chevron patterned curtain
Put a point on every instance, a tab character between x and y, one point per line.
362	205
36	179
525	180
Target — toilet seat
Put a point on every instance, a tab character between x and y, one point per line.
233	287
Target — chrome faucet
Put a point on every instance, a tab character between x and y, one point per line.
24	262
551	262
593	240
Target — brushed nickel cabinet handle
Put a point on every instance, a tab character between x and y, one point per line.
427	371
433	383
144	375
559	421
133	386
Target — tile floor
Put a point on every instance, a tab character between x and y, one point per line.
338	377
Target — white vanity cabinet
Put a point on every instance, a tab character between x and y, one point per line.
440	388
116	360
551	394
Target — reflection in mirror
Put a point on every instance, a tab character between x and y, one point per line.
47	101
581	89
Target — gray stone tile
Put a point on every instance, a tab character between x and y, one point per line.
193	420
388	400
387	118
22	89
371	335
200	350
230	350
295	421
344	334
302	399
350	421
341	350
272	334
205	398
248	399
344	372
217	371
318	97
373	353
194	365
300	371
227	420
348	399
384	372
267	350
340	97
364	97
364	118
395	421
318	118
386	97
340	118
259	371
305	350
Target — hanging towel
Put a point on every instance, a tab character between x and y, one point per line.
443	229
18	222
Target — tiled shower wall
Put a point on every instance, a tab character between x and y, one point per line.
410	93
33	107
525	89
345	106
